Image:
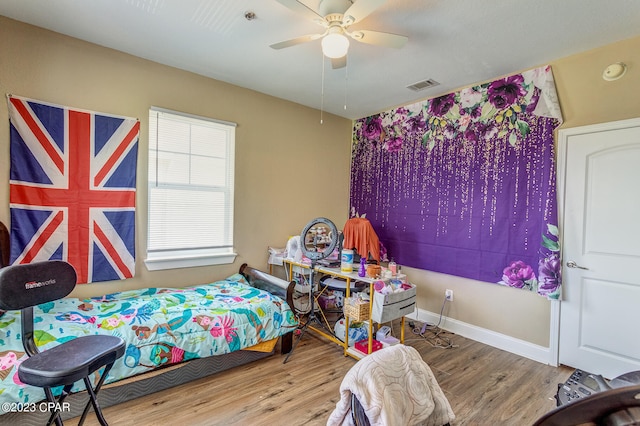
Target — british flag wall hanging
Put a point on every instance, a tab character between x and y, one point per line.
73	188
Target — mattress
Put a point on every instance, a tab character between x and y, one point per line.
162	327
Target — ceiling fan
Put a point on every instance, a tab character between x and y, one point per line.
336	16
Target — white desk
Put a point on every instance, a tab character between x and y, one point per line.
348	276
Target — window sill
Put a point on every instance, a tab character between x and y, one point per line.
158	263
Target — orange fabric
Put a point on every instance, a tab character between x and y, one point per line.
359	235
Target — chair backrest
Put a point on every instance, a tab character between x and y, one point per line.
23	286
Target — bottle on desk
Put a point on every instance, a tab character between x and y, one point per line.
363	267
393	267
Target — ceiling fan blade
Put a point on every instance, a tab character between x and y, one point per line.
339	62
380	39
297	40
360	10
302	9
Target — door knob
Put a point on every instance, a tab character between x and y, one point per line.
572	264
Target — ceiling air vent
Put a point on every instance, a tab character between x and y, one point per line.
424	84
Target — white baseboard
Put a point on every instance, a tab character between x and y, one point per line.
497	340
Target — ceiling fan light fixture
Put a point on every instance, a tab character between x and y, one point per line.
335	45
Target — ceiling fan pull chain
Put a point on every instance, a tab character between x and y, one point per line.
346	85
322	92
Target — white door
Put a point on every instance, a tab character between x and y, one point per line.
600	307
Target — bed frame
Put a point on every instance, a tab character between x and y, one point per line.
173	375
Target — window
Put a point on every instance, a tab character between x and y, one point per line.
191	168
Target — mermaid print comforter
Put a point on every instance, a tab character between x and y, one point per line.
161	326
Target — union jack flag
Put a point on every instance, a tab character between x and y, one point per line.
73	188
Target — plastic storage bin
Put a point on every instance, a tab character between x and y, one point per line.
387	307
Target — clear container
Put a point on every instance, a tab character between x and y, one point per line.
393	267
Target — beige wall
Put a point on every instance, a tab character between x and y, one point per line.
279	144
585	98
275	140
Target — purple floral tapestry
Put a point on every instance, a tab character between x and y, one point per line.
465	184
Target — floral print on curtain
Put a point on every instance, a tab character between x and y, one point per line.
465	184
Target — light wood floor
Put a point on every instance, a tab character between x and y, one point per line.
485	386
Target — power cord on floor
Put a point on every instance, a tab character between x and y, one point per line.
432	333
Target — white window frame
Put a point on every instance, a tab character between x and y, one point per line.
181	257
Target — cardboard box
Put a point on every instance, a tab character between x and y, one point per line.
387	307
329	301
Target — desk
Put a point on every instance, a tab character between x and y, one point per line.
348	276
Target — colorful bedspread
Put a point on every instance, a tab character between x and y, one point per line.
161	326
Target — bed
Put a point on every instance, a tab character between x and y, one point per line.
173	335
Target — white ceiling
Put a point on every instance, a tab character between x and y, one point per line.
455	42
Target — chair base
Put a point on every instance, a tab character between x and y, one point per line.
58	404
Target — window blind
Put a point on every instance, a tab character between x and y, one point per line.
191	188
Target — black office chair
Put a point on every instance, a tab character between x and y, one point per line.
25	286
619	406
358	414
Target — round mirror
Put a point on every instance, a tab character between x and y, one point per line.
319	238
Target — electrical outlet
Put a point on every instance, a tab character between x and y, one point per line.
448	294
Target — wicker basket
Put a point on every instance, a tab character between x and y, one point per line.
357	312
